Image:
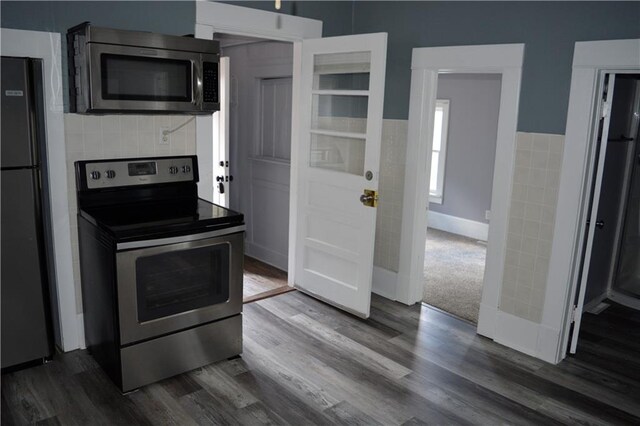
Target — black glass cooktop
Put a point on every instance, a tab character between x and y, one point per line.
140	220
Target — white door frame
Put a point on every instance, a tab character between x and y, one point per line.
220	124
37	44
590	60
504	59
218	17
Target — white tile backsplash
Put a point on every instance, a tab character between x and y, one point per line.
531	220
89	137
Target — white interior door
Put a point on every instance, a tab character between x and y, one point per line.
595	185
221	175
340	126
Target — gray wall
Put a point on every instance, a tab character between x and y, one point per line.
549	30
471	147
167	17
336	16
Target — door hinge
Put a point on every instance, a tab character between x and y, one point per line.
606	109
573	313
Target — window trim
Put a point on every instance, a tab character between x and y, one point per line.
438	196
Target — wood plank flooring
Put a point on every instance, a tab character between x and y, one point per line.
305	362
262	280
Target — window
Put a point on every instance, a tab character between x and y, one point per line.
439	151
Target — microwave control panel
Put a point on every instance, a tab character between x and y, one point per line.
210	82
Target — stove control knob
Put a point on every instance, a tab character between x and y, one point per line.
186	169
110	174
173	170
95	175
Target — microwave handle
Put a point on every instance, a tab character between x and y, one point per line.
197	83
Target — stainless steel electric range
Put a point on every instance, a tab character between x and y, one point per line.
161	269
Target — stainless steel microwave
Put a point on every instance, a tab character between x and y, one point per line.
117	71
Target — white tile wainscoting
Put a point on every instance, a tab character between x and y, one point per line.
531	218
391	187
89	137
532	214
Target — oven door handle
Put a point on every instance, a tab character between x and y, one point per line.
180	239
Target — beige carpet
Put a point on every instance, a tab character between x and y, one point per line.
454	270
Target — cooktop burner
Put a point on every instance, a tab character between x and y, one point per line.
145	219
144	197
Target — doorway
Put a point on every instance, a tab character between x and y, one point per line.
610	275
427	64
257	184
460	187
610	318
324	260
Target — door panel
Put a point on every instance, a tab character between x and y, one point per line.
595	186
341	98
604	241
268	213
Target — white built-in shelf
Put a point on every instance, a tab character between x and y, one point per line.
341	92
339	134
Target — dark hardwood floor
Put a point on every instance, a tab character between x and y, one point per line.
305	362
610	345
262	280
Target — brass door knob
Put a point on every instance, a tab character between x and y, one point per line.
369	198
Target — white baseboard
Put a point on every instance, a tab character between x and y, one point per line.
266	255
487	321
458	225
81	340
549	342
527	337
517	333
384	282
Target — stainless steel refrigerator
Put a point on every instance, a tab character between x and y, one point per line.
26	326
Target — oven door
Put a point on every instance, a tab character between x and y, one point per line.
171	287
125	78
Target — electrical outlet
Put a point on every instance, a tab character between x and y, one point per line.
487	214
164	139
